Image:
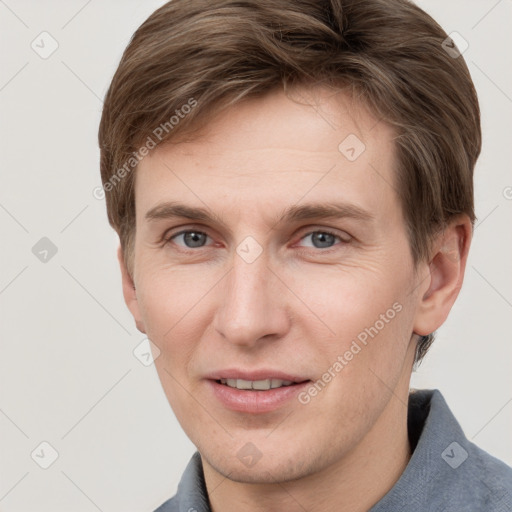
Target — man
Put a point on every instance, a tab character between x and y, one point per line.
291	182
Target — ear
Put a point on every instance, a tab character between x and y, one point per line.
445	274
130	293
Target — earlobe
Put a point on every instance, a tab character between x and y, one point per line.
130	292
445	275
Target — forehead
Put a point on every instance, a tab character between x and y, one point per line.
274	151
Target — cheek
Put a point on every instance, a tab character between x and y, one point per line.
358	365
166	306
169	297
350	302
363	324
170	304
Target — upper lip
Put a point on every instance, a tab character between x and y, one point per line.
253	375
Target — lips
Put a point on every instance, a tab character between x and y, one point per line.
255	391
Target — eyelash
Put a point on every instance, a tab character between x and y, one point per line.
167	239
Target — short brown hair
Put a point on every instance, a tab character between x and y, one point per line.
206	54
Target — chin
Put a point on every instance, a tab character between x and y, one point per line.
262	468
262	473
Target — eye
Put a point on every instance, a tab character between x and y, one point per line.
322	239
192	239
195	239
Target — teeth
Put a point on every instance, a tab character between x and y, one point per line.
260	385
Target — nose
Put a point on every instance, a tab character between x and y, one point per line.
252	304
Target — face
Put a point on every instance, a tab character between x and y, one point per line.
295	273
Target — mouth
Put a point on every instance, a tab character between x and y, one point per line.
257	392
257	385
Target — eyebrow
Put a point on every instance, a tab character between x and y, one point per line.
294	213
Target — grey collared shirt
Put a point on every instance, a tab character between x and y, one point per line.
446	473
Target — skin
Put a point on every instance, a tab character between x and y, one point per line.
297	307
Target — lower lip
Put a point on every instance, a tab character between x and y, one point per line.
255	401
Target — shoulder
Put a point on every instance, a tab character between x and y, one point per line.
476	478
171	505
486	480
466	477
446	472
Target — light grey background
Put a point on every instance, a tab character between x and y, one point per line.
68	373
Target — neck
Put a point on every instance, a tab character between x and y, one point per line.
355	482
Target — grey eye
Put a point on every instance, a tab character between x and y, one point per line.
321	239
192	239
